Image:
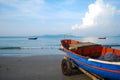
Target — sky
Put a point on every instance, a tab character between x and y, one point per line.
76	17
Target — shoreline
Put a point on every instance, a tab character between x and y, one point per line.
42	67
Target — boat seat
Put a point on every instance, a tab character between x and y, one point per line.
81	45
87	49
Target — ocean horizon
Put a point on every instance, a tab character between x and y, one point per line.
21	46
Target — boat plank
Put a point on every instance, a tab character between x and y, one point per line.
93	77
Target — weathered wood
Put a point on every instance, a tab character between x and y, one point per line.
93	77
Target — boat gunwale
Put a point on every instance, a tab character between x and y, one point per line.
105	62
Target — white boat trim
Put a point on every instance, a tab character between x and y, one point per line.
105	62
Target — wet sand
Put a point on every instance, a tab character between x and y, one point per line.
35	68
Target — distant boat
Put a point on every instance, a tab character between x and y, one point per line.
102	38
32	38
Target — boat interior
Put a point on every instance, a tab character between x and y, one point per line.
88	49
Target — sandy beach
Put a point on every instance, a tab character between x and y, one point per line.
35	68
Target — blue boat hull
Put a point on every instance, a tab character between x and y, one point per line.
111	72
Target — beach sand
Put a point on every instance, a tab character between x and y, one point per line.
35	68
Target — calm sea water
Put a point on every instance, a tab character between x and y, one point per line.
21	46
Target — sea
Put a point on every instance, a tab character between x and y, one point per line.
21	46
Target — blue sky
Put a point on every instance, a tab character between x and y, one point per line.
78	17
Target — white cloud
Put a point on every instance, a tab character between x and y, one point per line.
99	14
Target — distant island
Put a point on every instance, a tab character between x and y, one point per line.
60	35
52	36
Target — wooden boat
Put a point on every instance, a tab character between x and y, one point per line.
93	58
